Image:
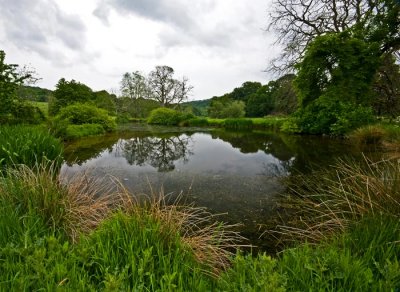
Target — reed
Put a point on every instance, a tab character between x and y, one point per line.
328	201
29	145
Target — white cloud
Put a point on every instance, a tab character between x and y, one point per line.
218	45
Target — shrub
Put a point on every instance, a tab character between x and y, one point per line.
28	145
324	116
167	117
290	126
22	113
78	114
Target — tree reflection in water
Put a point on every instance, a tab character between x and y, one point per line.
160	153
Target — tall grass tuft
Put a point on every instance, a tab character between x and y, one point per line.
238	124
91	234
328	201
28	145
370	134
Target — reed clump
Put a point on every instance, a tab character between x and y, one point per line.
329	201
91	234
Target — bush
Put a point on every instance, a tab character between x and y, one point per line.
22	113
324	116
167	117
78	114
28	145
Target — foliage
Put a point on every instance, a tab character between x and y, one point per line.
167	117
370	134
105	100
122	245
134	85
363	259
386	88
28	145
324	116
199	107
197	122
79	114
34	93
253	273
327	202
13	110
238	124
9	83
334	84
339	67
298	23
83	130
42	106
67	93
23	113
165	89
234	109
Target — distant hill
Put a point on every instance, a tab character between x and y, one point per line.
34	93
199	106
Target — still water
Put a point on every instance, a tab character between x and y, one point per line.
236	174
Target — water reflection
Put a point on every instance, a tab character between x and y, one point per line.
160	153
235	173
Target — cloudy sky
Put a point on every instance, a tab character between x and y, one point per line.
217	44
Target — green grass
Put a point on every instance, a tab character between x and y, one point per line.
28	145
366	258
84	130
62	235
43	106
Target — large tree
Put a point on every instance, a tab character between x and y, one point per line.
10	81
69	92
298	22
165	89
133	85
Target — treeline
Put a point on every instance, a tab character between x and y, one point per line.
253	99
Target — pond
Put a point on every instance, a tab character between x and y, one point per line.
235	174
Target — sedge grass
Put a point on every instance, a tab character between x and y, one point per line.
85	234
328	201
29	145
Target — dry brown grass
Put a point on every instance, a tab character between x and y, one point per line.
89	201
328	201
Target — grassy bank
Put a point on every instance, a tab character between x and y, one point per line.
342	232
62	235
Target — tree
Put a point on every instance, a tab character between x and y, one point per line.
133	85
10	81
69	92
165	89
386	88
106	101
12	108
334	83
228	109
298	22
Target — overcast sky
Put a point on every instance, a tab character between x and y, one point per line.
217	44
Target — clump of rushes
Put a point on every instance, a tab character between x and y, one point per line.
329	201
29	145
89	234
370	134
